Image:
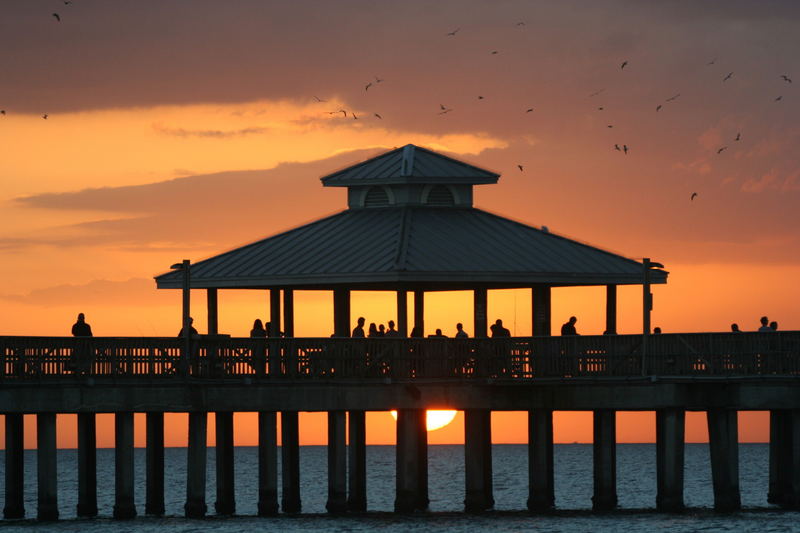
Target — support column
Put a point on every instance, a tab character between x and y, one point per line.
274	313
422	450
780	459
46	467
195	506
793	499
290	458
541	484
480	302
541	303
611	309
670	429
409	494
124	506
226	496
419	312
337	462
213	311
87	465
357	455
341	312
267	463
154	464
402	313
478	460
15	466
723	442
605	460
288	313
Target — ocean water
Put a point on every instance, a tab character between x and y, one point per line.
636	488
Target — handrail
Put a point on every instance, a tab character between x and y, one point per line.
26	359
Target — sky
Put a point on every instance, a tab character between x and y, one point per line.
182	129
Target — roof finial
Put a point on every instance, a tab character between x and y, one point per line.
407	167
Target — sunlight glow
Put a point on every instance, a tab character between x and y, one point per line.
435	419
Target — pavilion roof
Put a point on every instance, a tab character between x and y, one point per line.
412	246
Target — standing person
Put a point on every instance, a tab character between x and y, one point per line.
569	327
460	333
358	331
258	330
656	330
81	328
735	328
764	325
391	332
192	332
373	330
773	326
381	330
498	330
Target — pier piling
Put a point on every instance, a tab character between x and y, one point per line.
154	464
46	467
15	466
195	506
124	506
357	461
290	459
724	448
409	449
226	498
541	482
267	463
87	465
670	430
478	460
605	460
337	462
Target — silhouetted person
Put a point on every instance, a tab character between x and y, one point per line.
391	332
192	332
735	328
460	333
381	330
764	324
81	328
569	327
416	332
438	334
258	330
656	330
358	331
373	330
498	330
773	326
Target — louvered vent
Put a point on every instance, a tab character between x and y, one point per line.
376	197
440	196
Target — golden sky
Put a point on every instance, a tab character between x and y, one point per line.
183	129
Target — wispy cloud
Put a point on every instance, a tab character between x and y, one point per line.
212	134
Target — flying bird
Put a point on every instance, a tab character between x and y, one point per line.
625	148
529	110
610	126
658	107
622	66
452	33
720	150
445	111
596	93
600	108
617	148
494	52
729	76
738	137
786	78
354	115
343	112
57	16
377	115
778	99
520	23
318	99
67	2
694	195
671	98
366	88
712	61
480	97
519	167
2	111
45	116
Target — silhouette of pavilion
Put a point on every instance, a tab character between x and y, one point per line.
411	226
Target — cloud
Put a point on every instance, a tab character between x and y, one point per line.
133	292
214	134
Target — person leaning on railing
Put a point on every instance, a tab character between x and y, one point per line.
81	360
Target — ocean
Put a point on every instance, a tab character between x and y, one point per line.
636	488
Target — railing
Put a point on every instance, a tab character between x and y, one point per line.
520	358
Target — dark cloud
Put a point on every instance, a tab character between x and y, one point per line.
133	292
212	134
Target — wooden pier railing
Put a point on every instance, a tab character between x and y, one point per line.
517	358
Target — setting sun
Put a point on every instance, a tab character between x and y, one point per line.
435	419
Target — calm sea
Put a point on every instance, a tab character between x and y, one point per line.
636	488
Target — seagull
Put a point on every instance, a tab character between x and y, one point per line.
625	148
610	126
658	107
452	33
480	97
694	195
442	107
446	110
378	80
318	99
377	115
44	116
712	61
596	93
529	110
519	167
494	52
778	99
520	23
366	88
617	148
738	137
67	2
622	66
671	98
719	151
342	111
726	78
57	16
354	115
2	111
600	108
786	78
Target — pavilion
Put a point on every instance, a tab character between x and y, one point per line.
410	226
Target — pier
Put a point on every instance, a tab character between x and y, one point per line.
413	208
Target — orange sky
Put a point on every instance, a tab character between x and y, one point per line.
180	130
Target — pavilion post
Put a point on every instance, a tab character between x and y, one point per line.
15	466
288	313
402	313
480	302
341	312
213	311
419	312
611	309
541	304
274	313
